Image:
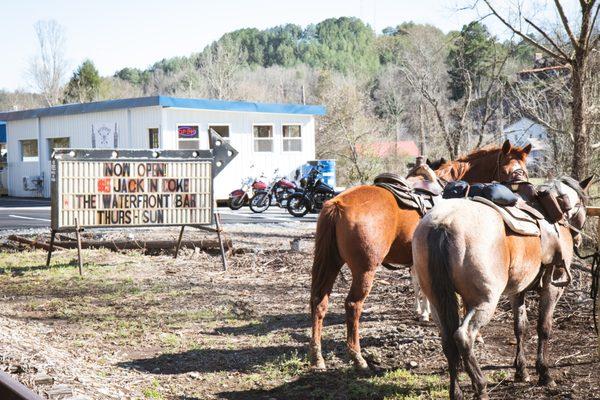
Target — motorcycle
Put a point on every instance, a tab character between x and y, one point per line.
239	197
312	197
278	192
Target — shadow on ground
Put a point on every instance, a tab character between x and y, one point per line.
340	384
212	360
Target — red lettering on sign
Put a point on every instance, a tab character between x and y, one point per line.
104	185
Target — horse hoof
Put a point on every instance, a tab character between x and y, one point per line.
359	362
479	339
424	318
522	377
318	366
547	381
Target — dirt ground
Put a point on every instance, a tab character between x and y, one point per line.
141	326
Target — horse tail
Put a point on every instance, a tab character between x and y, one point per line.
442	287
327	261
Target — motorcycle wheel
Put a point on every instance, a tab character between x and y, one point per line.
260	202
236	203
298	206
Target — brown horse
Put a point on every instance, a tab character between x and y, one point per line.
364	227
463	247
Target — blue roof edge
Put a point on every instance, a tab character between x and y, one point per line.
164	101
226	105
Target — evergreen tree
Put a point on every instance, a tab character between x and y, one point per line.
470	58
84	85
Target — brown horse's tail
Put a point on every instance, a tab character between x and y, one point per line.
327	261
442	287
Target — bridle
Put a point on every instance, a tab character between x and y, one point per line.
496	176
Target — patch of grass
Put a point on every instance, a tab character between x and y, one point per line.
499	376
170	340
152	392
285	366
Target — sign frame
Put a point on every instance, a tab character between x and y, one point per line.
107	155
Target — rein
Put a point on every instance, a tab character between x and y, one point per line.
595	265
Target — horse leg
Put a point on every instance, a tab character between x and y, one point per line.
319	304
548	298
452	355
362	282
520	327
465	335
422	307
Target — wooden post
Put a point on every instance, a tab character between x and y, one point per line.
52	235
218	224
179	241
78	234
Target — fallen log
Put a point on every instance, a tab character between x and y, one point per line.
33	243
120	244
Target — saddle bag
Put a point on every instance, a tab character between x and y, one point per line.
476	189
499	194
455	189
551	207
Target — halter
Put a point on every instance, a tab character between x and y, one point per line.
496	176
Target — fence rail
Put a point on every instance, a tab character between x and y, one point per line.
11	389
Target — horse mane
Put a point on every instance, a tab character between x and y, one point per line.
455	169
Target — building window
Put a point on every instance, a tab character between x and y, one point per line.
222	130
189	137
292	138
263	138
29	150
153	138
58	143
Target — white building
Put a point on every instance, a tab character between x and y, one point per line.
525	131
267	136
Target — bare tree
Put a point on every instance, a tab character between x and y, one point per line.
47	69
574	51
219	64
348	129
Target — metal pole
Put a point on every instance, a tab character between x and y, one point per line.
52	235
179	241
218	224
78	234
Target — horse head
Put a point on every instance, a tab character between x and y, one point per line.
512	162
572	197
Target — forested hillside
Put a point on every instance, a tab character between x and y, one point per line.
448	92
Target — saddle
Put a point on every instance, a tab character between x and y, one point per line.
520	218
421	197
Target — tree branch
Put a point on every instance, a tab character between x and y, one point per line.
525	37
549	39
565	23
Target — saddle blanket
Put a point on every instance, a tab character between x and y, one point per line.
521	219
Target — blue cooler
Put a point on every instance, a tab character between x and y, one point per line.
327	170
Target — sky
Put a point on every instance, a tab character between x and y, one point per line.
136	33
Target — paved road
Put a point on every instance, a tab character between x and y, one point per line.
18	213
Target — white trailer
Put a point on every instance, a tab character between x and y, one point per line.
267	136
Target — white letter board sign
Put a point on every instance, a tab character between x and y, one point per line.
126	188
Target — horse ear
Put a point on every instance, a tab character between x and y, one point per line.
506	147
428	162
527	149
586	183
443	161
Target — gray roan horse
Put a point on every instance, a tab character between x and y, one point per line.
462	247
